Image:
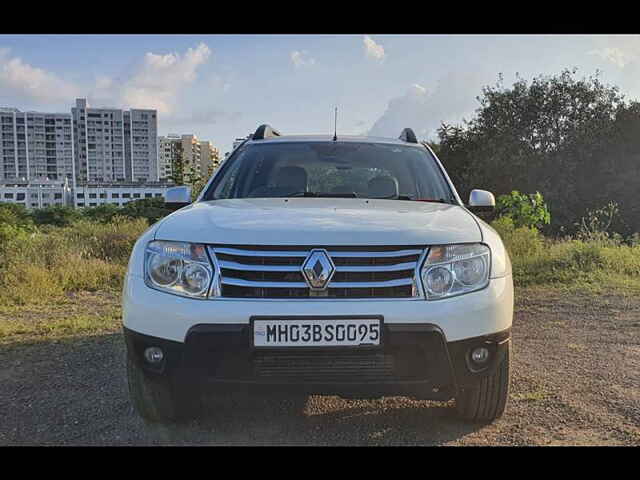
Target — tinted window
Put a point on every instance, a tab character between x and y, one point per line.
364	170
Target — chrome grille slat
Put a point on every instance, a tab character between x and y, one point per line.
258	268
260	253
376	268
296	268
304	253
238	282
396	253
260	284
247	271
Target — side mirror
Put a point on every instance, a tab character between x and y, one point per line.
177	197
481	201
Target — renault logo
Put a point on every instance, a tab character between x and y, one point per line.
318	269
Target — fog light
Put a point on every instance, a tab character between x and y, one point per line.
480	355
153	355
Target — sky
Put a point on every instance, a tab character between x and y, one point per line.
221	87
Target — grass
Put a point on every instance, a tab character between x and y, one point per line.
594	267
41	267
61	281
81	314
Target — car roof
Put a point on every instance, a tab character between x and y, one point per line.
329	138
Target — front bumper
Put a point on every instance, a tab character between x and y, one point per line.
414	360
171	317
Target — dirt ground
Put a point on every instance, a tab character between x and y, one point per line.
575	381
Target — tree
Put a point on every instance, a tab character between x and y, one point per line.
550	135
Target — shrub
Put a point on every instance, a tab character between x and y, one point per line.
525	210
595	224
101	213
110	241
519	241
15	214
152	209
57	215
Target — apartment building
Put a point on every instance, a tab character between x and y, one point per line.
184	155
169	153
209	158
114	145
35	145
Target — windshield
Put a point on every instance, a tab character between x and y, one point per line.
323	169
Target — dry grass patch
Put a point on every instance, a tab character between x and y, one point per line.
84	313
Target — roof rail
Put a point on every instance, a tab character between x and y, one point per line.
407	135
265	131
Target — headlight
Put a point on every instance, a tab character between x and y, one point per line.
181	268
455	269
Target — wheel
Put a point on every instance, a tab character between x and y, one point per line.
487	400
156	400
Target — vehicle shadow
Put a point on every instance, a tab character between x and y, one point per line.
318	420
74	392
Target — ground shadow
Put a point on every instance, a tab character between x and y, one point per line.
74	392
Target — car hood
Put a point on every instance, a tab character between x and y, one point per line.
319	221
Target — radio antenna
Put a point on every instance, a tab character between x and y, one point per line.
335	127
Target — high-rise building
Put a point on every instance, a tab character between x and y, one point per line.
169	154
35	146
209	158
183	157
115	145
190	155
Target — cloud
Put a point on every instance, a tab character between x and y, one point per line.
615	55
154	82
159	79
301	59
423	110
621	50
20	79
372	49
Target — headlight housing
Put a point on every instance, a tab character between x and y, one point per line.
451	270
181	268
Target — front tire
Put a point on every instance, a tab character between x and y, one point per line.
156	400
487	400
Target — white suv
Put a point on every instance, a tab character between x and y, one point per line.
320	265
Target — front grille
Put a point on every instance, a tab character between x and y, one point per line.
334	367
275	272
325	368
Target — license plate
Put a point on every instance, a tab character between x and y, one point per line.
316	333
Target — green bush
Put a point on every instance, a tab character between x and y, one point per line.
525	210
101	213
595	225
57	215
152	209
519	241
15	214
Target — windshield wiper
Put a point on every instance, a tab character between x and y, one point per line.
407	197
322	195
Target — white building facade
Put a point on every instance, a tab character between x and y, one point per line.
114	145
93	195
37	194
35	146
